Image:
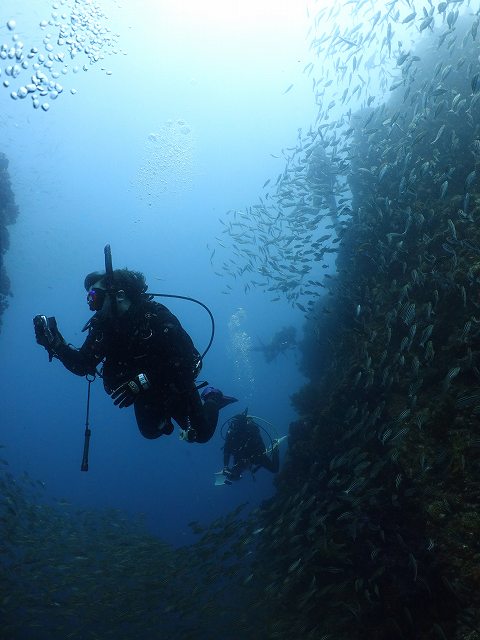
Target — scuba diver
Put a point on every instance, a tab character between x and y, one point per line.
281	342
244	443
149	360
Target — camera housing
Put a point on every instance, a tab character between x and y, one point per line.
45	326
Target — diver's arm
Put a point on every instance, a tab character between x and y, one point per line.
81	361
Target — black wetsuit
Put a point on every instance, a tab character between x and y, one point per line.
147	339
244	442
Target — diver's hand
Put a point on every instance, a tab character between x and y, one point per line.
126	394
45	329
189	435
227	475
47	334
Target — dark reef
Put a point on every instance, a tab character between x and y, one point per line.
374	529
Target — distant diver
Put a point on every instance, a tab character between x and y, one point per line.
149	360
245	445
281	342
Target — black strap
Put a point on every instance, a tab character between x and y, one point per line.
169	295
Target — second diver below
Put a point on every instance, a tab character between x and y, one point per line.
149	360
244	443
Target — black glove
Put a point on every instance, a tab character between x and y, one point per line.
227	475
126	394
189	435
47	333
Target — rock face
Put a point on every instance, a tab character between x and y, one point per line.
8	215
373	531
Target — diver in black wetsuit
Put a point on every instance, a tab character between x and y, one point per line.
244	443
149	360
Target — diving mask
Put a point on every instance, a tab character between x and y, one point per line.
96	298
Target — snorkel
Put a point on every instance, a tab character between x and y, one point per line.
109	284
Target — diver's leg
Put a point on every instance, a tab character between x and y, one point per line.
201	417
270	464
151	419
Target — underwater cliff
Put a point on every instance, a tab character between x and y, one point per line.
373	532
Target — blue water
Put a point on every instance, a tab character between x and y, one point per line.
83	174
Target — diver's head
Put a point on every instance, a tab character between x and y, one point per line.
125	287
241	419
104	302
